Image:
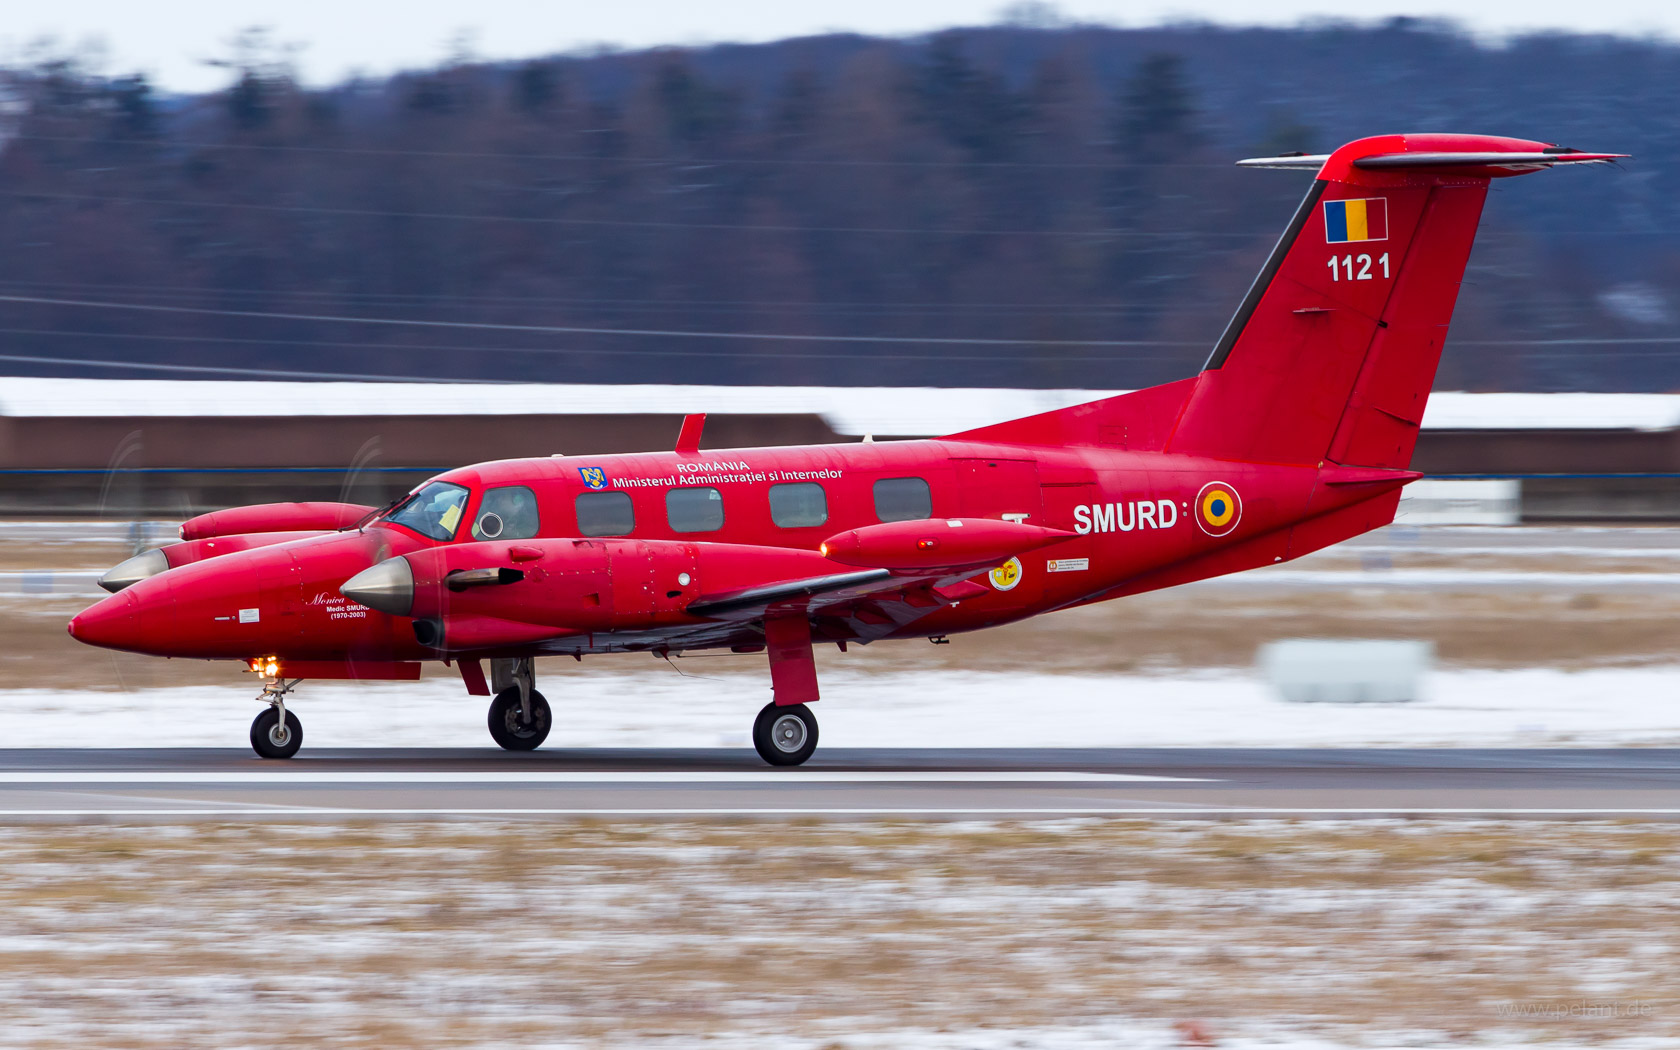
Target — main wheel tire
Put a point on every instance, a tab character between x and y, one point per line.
785	736
507	721
270	739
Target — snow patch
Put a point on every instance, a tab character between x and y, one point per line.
1487	708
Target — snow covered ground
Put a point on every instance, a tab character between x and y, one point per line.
887	935
660	708
905	411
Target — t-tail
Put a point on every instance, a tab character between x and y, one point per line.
1331	355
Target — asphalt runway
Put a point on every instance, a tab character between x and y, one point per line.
54	784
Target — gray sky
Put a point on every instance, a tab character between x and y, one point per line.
171	39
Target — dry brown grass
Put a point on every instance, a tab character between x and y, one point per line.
519	933
1166	631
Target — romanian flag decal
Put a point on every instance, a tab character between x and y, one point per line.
1365	219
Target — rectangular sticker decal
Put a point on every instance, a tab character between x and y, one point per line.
1068	564
249	615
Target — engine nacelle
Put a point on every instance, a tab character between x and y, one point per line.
274	517
162	559
472	595
930	544
179	554
559	584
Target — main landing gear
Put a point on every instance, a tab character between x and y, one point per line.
785	731
519	715
785	736
277	733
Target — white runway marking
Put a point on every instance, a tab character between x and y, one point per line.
590	776
1467	579
258	809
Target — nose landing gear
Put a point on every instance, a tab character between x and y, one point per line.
276	733
519	715
509	726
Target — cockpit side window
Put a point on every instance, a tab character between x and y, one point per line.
434	511
507	513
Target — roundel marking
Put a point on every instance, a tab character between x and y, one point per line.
1007	575
1218	508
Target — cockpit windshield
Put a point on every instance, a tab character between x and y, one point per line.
434	511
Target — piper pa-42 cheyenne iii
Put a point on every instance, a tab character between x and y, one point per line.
1297	434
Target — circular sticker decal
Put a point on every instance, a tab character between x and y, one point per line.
1007	575
1218	508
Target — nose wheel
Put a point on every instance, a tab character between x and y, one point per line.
276	736
786	735
510	726
276	733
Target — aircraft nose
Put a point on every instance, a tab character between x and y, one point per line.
387	587
111	623
135	569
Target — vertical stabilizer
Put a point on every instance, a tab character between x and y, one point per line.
1332	353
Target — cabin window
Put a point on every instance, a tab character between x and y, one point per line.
605	514
798	505
694	510
903	499
507	513
434	511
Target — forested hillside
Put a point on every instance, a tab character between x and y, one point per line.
1012	205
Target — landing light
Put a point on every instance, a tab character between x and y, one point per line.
267	666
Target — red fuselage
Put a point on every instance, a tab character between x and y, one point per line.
626	583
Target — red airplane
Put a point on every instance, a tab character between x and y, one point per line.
1296	435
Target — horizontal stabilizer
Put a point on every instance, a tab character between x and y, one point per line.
1514	161
1338	475
1287	162
1509	161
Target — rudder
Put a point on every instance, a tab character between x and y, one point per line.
1380	423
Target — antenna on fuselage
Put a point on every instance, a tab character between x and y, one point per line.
688	438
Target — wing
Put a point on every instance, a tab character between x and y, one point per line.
753	602
865	605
